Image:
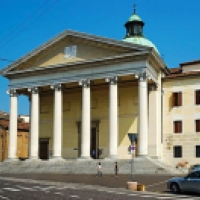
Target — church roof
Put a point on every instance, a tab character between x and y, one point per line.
134	34
20	126
141	41
83	36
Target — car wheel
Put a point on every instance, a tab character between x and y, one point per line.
175	188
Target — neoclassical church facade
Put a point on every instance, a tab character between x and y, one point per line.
92	97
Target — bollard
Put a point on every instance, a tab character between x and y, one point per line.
140	187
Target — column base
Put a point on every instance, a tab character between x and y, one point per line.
56	158
82	158
11	159
112	157
33	159
142	156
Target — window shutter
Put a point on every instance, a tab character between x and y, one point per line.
197	125
180	127
173	99
179	98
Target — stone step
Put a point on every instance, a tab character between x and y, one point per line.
141	165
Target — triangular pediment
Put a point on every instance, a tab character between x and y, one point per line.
72	47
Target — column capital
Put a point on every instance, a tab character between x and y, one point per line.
112	80
85	83
57	87
12	92
34	90
142	76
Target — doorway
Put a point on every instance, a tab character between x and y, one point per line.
44	149
94	146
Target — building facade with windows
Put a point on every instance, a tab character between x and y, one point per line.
181	113
91	97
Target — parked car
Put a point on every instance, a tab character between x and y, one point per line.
190	183
194	167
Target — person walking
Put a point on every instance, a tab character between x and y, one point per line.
99	170
116	169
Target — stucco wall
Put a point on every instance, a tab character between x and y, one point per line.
187	113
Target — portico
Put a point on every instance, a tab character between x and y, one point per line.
111	86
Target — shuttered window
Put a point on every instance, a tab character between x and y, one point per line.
177	126
198	125
177	99
197	151
177	151
197	97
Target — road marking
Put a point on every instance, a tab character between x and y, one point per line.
2	197
132	194
58	193
65	187
47	188
11	189
120	193
74	196
25	188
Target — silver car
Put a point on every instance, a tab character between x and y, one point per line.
190	183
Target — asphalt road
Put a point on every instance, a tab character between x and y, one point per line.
153	183
86	187
25	189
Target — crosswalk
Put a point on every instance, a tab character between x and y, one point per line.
62	190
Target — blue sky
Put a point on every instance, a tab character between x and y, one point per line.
172	25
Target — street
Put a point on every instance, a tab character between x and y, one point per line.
29	189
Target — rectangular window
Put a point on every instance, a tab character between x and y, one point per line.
177	126
198	125
197	151
197	97
177	151
177	99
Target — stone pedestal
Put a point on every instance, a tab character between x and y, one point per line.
131	186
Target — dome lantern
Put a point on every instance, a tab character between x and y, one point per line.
134	31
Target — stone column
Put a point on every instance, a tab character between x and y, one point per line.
12	143
142	116
113	118
34	129
85	124
57	122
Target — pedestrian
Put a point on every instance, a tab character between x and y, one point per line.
99	170
116	169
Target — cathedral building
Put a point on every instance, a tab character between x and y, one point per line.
92	97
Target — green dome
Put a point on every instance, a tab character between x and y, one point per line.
141	41
134	32
134	17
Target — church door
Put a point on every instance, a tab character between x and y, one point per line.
94	147
44	149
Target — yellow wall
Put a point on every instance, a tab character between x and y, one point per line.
128	102
187	113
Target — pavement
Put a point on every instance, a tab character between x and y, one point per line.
153	183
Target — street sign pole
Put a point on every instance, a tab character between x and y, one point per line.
132	162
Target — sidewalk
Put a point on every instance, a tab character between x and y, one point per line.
153	183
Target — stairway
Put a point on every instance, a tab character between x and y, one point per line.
141	165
